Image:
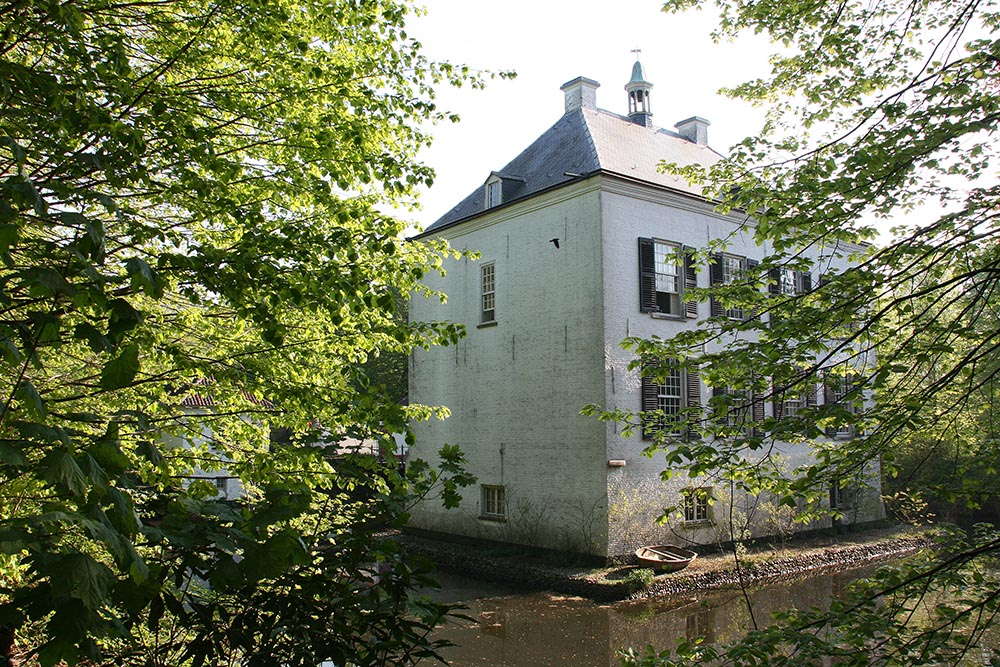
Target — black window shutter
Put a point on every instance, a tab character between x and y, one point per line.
831	431
715	278
719	391
777	402
774	281
749	313
647	276
690	281
693	400
811	395
650	403
757	413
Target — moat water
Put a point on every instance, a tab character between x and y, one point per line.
512	629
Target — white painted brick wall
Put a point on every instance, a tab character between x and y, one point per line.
637	496
515	389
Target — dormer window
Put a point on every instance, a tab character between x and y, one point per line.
494	193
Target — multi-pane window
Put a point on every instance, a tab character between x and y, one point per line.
667	266
733	269
837	389
493	501
494	190
670	399
792	404
488	310
790	401
696	503
786	282
669	394
733	408
666	271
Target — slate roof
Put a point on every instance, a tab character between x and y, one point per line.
584	142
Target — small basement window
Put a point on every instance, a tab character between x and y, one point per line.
696	503
493	502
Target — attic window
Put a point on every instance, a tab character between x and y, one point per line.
494	190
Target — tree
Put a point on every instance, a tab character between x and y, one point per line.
876	112
193	255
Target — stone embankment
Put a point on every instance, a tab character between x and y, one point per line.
711	571
756	570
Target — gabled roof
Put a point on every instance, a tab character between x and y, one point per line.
584	142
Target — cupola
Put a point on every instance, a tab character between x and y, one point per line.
638	89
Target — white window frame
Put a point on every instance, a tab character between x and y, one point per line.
739	413
696	504
788	283
733	269
662	252
838	392
493	502
794	401
487	293
494	193
671	396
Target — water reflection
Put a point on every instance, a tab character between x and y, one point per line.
540	629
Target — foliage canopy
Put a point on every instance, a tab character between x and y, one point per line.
875	112
194	259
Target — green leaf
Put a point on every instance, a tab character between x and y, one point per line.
9	234
120	371
47	281
150	452
144	278
12	455
13	540
60	468
29	397
87	580
123	319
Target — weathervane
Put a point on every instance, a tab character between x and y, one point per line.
637	52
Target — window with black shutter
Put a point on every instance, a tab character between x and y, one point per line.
666	270
789	282
667	393
726	269
738	411
788	402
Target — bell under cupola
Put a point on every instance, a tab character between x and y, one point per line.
638	96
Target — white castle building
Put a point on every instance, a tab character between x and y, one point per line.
581	244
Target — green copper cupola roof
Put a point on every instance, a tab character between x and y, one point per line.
638	89
638	76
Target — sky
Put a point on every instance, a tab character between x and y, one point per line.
550	42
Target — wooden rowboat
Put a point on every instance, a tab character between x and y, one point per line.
665	557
